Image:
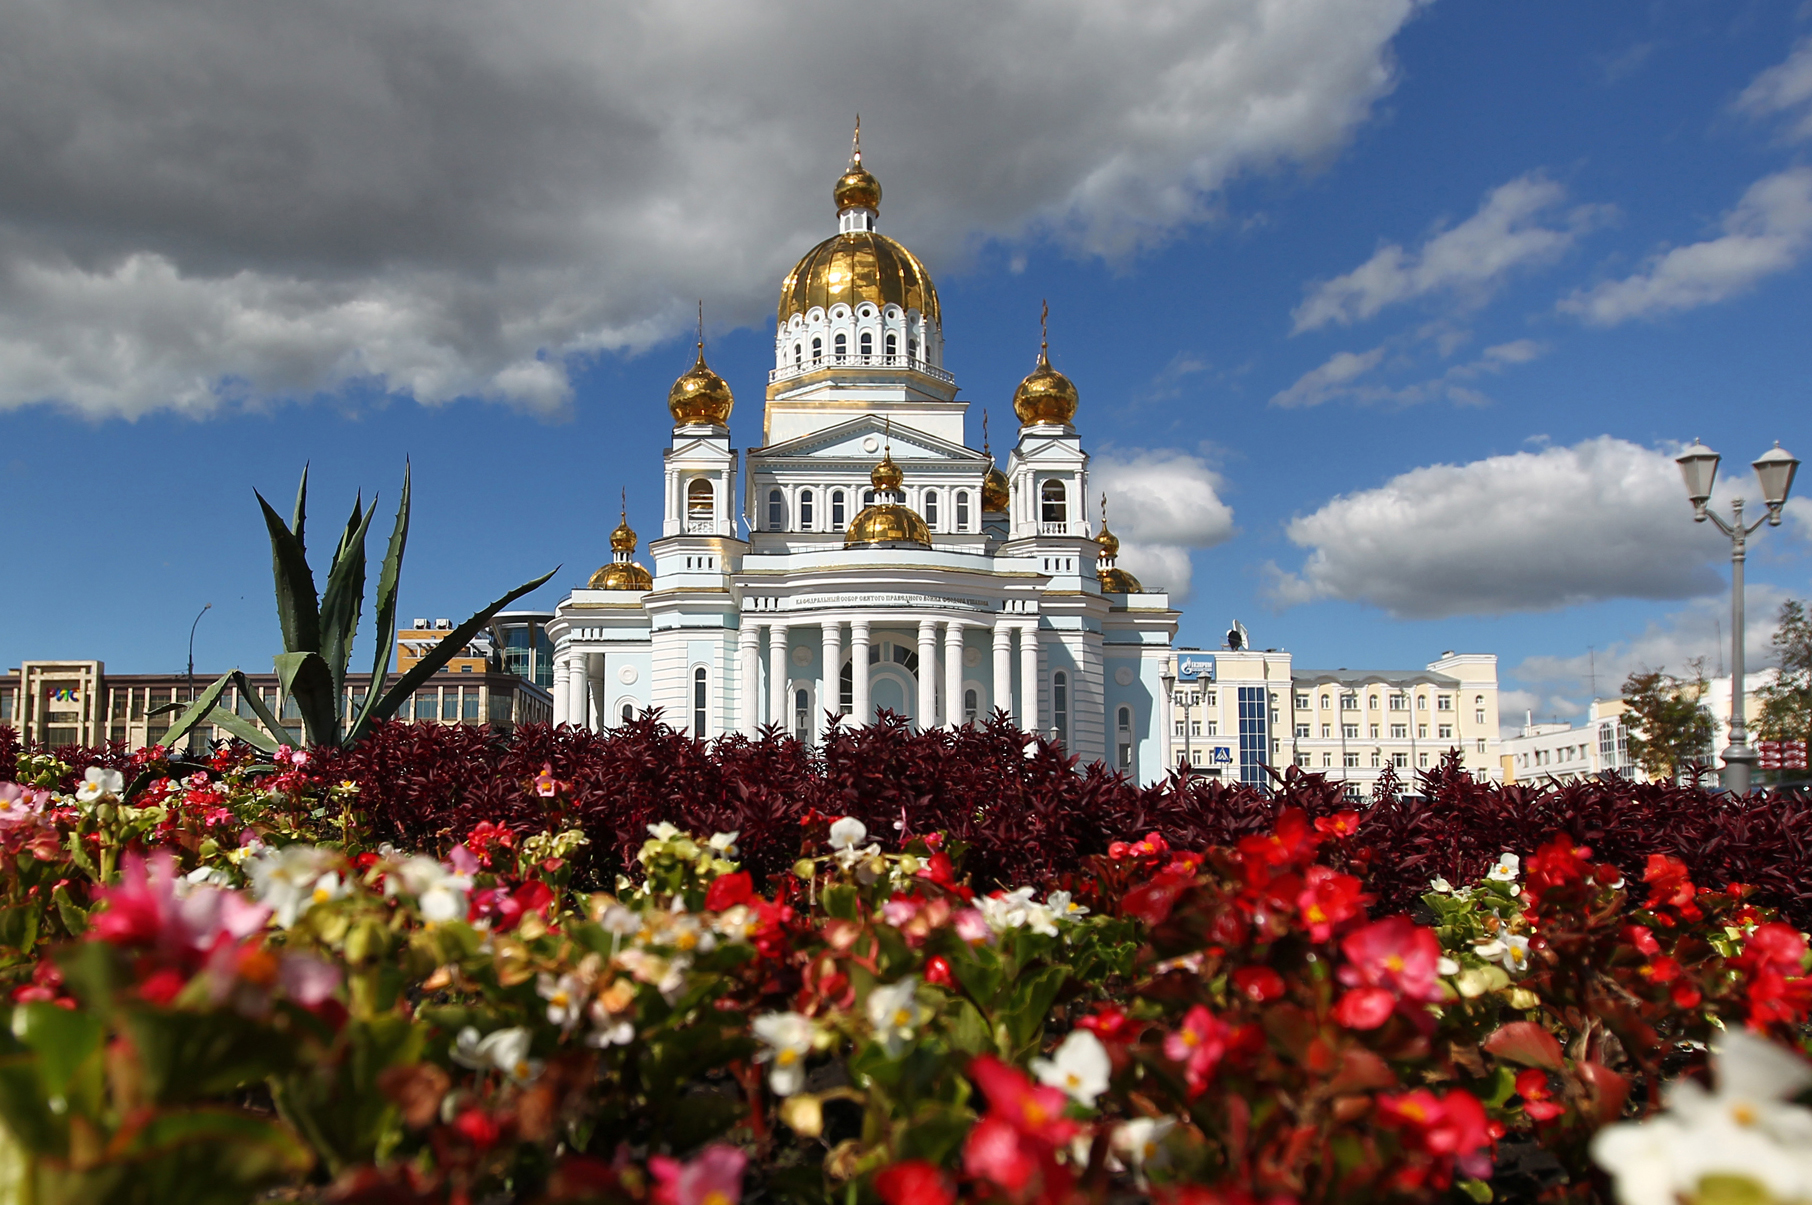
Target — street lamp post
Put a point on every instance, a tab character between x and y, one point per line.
1774	469
206	607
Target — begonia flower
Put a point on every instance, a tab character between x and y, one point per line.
98	782
713	1178
506	1050
1079	1067
786	1039
895	1013
914	1182
1394	953
1198	1044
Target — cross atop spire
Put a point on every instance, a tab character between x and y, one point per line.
855	146
985	450
701	324
1044	328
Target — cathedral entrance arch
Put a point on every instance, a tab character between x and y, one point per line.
893	674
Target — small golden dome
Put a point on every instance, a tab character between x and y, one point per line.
857	188
623	538
700	396
888	523
1045	396
622	575
886	474
1110	543
995	498
1118	581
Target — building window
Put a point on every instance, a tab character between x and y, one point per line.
1399	732
1422	760
628	712
1195	727
837	516
1481	744
842	344
469	703
1210	700
846	689
798	356
868	497
817	349
449	703
1479	716
1302	702
1371	703
868	343
1055	509
1349	702
1254	740
893	346
802	715
1421	732
701	501
971	706
931	509
1400	761
1350	761
962	510
912	349
1327	730
1399	702
1443	703
1350	731
1060	707
1327	761
1302	731
805	510
1375	759
1324	702
1181	730
776	511
1374	731
1446	732
1421	702
701	702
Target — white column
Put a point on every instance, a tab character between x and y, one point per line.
579	681
748	671
953	674
861	711
1003	667
560	691
777	674
927	674
830	681
1028	677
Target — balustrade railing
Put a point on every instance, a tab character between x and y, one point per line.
860	361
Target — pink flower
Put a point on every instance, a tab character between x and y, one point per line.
714	1178
1365	1007
898	910
1199	1045
1393	953
306	979
996	1151
545	783
972	926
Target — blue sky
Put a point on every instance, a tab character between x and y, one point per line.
1427	315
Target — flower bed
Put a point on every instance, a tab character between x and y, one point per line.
440	967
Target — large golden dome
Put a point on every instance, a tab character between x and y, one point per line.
854	267
887	522
622	575
700	396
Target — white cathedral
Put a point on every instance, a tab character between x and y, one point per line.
886	566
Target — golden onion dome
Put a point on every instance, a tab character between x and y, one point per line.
887	523
857	188
623	538
700	396
995	498
858	266
1118	581
622	575
886	474
1046	396
1110	543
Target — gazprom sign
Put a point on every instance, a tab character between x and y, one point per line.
1195	667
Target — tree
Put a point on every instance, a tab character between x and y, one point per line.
1670	725
1787	702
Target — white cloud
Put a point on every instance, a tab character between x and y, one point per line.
1529	531
1510	230
211	205
1784	88
1767	232
1339	377
1162	503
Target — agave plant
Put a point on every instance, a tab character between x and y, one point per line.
318	631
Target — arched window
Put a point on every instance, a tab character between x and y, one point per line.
798	355
1123	725
931	509
802	715
868	343
805	510
776	511
962	510
701	702
837	516
868	497
842	344
701	503
971	705
1055	509
893	344
628	712
817	348
846	689
1060	707
912	349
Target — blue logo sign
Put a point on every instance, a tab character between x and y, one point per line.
1195	667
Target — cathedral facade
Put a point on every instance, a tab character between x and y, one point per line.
864	558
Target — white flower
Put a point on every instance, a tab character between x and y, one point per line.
97	782
565	996
1446	966
1440	885
505	1049
1080	1067
786	1039
1140	1143
606	1031
1742	1130
439	893
1009	910
1063	907
1515	957
848	833
620	921
894	1012
668	975
1507	868
724	843
290	880
662	831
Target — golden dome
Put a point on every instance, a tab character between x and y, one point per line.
623	538
888	523
857	188
854	267
886	475
1110	543
621	575
995	498
1045	396
1118	581
700	396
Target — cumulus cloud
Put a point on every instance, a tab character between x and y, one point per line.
1340	378
1517	224
204	205
1529	531
1162	503
1767	232
1785	88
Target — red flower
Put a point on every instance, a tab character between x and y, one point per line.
1661	969
1538	1101
1777	947
1258	983
1643	939
1557	864
996	1151
1290	844
1199	1045
1365	1007
1395	953
1669	886
1448	1131
1018	1138
478	1128
1340	824
1328	899
728	890
937	971
914	1182
1110	1024
1035	1110
713	1178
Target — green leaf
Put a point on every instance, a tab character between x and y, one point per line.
255	701
198	710
300	516
1030	1004
24	1110
62	1038
384	616
296	601
19	929
186	1056
840	901
244	729
206	1156
307	679
443	652
341	600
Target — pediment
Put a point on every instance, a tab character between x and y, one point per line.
845	442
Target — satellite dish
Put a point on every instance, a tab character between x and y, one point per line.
1237	638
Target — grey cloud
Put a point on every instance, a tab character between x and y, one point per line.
1162	503
206	203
